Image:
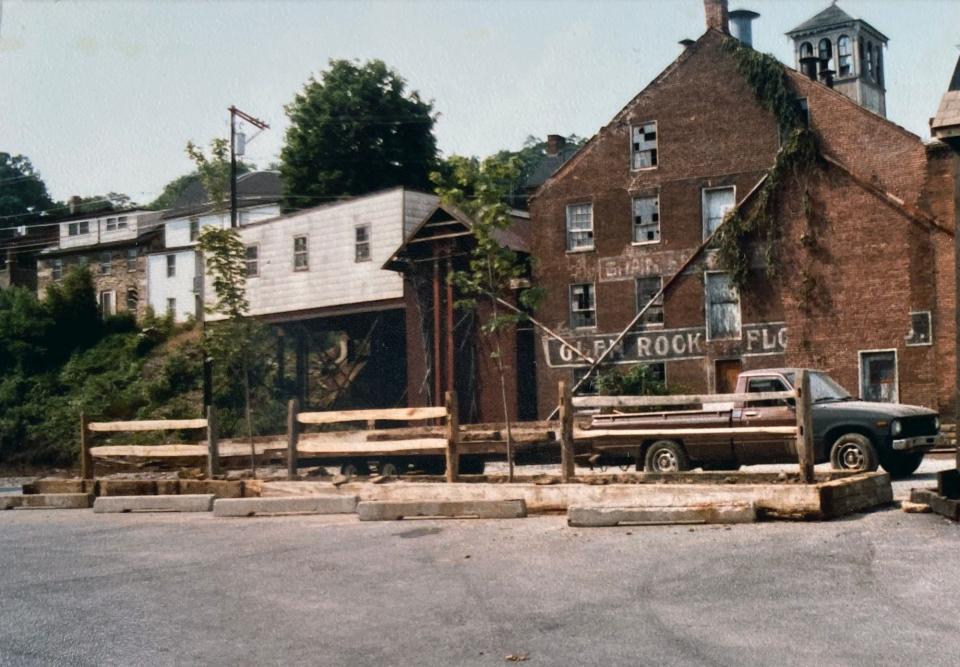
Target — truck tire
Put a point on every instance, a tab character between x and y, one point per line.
902	465
854	452
666	456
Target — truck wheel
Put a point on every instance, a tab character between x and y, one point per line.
854	452
903	465
666	456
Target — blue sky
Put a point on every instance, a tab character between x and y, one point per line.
103	96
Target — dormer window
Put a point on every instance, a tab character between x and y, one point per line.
644	145
845	52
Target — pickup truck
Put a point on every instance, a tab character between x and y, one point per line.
852	435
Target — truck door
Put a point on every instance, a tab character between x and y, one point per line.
763	448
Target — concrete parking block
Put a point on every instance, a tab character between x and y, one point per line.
9	502
57	501
185	503
386	510
612	516
231	507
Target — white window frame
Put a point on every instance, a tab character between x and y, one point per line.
704	210
78	228
706	308
113	302
896	375
593	241
171	265
256	260
633	219
305	252
929	315
572	310
636	291
357	243
656	146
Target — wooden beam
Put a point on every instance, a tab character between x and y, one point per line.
152	451
566	434
693	399
453	437
213	449
587	434
293	407
804	427
438	237
386	414
147	425
86	460
433	446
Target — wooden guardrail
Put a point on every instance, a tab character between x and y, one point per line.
208	451
802	431
335	444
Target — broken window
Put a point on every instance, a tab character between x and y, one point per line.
644	145
723	307
921	331
878	376
106	264
717	202
646	220
362	243
583	306
580	227
171	266
252	257
301	256
845	53
647	288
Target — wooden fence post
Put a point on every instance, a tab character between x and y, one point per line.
453	437
213	444
566	433
804	427
293	435
86	459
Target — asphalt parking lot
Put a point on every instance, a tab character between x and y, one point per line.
878	588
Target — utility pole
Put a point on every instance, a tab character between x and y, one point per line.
256	122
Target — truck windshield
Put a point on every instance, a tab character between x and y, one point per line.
823	388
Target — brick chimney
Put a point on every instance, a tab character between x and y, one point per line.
74	204
717	15
555	143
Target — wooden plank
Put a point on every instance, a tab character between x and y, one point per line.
566	433
149	451
429	446
293	407
86	459
453	436
653	401
439	237
804	427
394	414
586	434
147	425
213	445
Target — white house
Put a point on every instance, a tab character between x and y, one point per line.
173	272
327	260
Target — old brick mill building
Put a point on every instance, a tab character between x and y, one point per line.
863	282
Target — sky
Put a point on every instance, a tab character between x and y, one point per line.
104	95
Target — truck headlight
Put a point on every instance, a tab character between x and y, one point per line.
896	428
936	424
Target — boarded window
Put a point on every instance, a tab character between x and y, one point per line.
252	257
921	331
644	145
362	243
878	376
171	266
301	254
723	307
646	220
583	306
717	202
580	227
647	288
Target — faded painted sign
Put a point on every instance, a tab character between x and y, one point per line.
630	267
662	345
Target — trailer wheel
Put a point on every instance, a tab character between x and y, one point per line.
666	456
389	469
354	469
854	452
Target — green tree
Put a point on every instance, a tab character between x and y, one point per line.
213	171
23	194
480	190
353	131
72	305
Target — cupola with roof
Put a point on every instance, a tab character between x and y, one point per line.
845	53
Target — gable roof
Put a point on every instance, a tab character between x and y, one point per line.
831	17
253	188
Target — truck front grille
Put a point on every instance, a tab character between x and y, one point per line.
914	426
